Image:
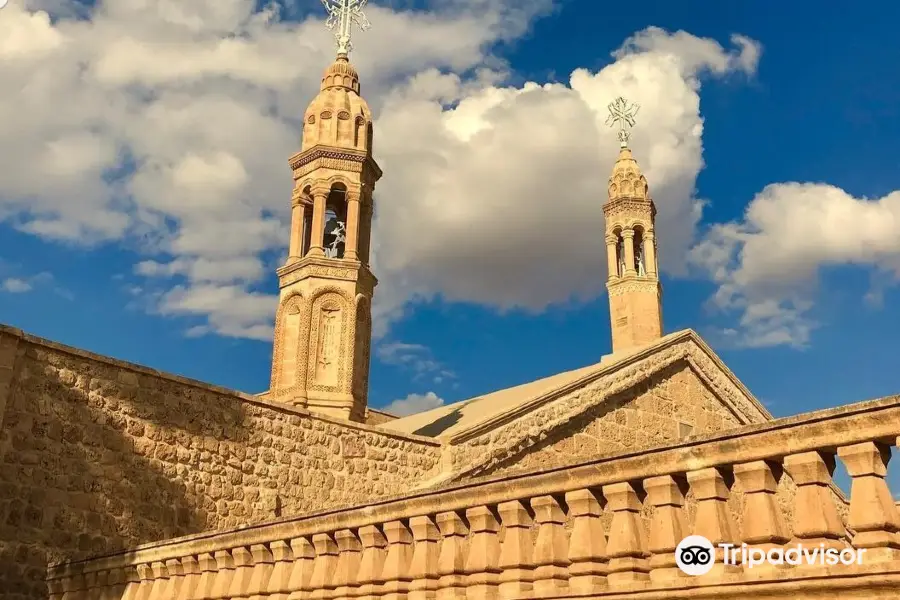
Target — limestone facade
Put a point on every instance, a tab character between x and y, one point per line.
97	455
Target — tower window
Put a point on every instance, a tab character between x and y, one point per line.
335	235
639	252
620	253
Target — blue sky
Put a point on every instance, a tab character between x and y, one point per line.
818	107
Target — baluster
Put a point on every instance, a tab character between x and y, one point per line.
302	569
551	549
263	565
160	580
115	584
92	584
873	514
132	583
349	549
452	557
762	525
243	569
146	583
394	577
668	526
816	519
191	582
278	587
176	578
713	519
516	551
208	572
627	545
74	585
423	566
56	589
323	581
587	544
224	573
484	552
371	563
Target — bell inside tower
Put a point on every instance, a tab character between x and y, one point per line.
335	233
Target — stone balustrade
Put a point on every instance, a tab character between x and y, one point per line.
608	528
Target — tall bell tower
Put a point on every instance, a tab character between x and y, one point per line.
323	324
635	293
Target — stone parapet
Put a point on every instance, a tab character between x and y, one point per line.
588	535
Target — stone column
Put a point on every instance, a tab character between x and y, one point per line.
423	566
208	573
371	563
243	568
395	572
353	215
317	239
191	569
323	579
349	549
713	519
516	551
873	514
263	564
452	557
176	578
628	236
650	253
295	250
551	549
587	545
668	525
300	581
762	525
627	545
482	568
160	579
283	556
815	518
611	263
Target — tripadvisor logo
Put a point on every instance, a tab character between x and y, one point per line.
695	555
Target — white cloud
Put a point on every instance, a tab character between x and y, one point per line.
14	285
767	264
415	358
178	119
497	198
414	403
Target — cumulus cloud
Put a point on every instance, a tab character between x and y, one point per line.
767	264
415	358
178	118
414	403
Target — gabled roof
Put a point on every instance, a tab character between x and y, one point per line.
475	416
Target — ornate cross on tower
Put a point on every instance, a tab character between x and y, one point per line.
342	14
323	325
622	113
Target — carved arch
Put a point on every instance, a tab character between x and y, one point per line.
280	384
329	298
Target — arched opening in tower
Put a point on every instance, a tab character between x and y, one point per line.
620	253
335	235
639	265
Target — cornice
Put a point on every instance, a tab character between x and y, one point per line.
303	158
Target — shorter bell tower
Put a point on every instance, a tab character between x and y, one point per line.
323	324
635	293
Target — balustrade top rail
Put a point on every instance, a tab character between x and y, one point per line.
826	430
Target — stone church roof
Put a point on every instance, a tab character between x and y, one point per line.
463	419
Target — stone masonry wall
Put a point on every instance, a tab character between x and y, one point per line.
670	405
97	455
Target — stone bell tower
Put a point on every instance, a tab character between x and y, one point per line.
635	294
323	324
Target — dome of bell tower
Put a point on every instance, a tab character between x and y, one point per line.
338	116
626	180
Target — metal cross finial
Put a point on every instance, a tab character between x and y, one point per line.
622	113
342	14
